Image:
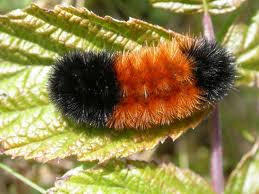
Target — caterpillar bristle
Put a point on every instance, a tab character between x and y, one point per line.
84	87
214	68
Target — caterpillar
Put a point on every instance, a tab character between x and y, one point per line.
144	88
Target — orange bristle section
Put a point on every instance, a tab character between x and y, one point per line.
157	87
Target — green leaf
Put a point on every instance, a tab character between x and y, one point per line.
131	177
242	39
7	5
244	179
30	126
196	6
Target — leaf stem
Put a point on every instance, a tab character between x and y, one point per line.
205	6
183	154
207	25
216	162
21	178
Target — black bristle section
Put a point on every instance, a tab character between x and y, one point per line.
214	68
83	86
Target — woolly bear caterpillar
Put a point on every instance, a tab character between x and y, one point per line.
141	89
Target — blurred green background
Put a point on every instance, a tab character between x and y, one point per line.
239	111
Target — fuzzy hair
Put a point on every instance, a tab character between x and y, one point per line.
141	89
83	85
157	86
214	68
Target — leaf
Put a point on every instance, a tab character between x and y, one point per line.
13	4
242	40
131	177
30	126
244	179
196	6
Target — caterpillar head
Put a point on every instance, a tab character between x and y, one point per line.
213	68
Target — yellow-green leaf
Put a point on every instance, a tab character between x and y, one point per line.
7	5
244	179
196	6
242	39
30	126
131	177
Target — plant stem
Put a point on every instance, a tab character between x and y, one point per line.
183	154
21	178
208	27
216	162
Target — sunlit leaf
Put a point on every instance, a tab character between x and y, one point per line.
7	5
196	6
242	39
244	179
30	126
131	177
